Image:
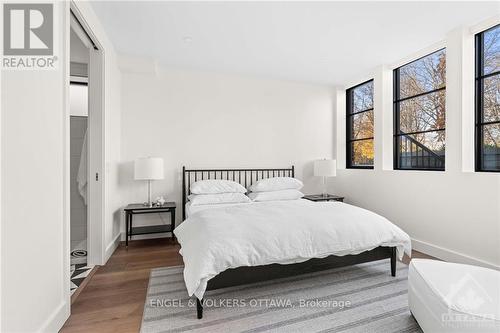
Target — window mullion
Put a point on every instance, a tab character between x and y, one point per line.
419	132
489	123
362	139
421	94
358	112
488	75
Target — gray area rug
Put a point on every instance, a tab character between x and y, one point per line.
360	298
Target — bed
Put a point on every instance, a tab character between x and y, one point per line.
235	244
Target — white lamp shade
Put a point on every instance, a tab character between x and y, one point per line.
325	168
148	168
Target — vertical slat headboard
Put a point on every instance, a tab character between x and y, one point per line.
245	177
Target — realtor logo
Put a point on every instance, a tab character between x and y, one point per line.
28	36
470	305
28	29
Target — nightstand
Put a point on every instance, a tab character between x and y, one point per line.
134	209
320	197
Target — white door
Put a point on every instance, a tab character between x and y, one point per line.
95	190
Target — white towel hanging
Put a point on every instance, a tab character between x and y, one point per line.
82	176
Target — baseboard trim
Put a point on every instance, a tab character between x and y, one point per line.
56	321
110	249
449	255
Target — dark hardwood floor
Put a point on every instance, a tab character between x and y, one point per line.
113	299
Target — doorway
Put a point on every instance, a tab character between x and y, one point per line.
86	124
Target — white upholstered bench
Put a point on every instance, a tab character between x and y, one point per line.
446	297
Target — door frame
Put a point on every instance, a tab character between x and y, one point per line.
96	144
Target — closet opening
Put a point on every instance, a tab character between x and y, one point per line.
86	150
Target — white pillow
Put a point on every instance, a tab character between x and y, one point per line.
276	195
213	199
276	184
214	186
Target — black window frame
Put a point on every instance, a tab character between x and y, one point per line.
478	99
349	116
396	113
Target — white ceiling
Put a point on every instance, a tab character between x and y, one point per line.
322	42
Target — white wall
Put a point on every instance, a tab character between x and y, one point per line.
35	175
202	119
455	212
453	215
32	164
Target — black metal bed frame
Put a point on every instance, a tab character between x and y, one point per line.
245	177
245	275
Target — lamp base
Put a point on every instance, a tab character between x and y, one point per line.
325	190
149	203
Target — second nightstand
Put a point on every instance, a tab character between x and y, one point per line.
321	197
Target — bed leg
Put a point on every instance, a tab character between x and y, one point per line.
393	261
199	308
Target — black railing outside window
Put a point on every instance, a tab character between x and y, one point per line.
488	100
359	126
419	113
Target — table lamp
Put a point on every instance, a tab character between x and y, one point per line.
325	168
148	168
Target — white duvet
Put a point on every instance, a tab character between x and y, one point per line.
284	232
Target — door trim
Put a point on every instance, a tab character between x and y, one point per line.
96	144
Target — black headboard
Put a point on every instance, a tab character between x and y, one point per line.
245	177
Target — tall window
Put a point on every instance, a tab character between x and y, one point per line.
419	113
360	126
488	100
